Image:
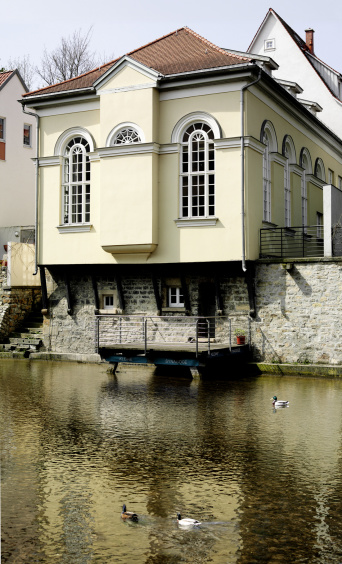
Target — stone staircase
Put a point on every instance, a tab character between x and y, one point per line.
26	339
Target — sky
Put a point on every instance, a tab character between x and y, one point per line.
121	26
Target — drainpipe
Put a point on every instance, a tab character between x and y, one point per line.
244	268
36	191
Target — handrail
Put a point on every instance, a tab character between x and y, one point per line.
196	332
292	242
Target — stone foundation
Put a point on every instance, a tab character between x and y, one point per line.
299	312
298	308
15	305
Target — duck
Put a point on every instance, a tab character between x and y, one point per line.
279	403
187	522
128	515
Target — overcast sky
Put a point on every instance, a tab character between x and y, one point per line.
121	26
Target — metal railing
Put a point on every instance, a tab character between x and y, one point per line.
180	332
292	242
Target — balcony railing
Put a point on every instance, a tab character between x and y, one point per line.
292	242
188	333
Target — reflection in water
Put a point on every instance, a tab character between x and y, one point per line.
78	442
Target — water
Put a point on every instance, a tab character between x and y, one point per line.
78	442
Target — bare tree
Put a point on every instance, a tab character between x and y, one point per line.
71	58
25	67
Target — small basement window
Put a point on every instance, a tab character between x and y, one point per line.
108	301
176	298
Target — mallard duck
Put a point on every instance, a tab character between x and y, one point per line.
128	515
279	403
187	522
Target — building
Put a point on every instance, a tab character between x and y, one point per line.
157	173
17	170
317	84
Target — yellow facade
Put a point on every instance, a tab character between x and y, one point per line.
135	188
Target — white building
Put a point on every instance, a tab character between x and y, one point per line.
17	169
316	84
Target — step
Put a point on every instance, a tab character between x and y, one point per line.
17	341
27	335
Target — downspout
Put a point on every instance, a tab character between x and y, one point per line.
36	191
244	268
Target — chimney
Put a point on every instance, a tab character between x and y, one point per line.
309	39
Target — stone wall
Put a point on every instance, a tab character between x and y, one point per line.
299	312
76	331
15	305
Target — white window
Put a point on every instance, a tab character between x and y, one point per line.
2	129
319	221
287	186
330	176
76	182
176	298
27	135
198	172
267	178
319	169
108	301
306	164
269	44
126	136
340	182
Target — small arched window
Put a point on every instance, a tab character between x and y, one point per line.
126	136
198	171
290	156
305	163
320	169
269	139
76	181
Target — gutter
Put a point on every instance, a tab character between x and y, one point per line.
244	268
36	191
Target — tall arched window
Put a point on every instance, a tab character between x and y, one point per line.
269	139
266	173
76	182
305	163
290	156
198	172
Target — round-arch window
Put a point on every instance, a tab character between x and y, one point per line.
126	136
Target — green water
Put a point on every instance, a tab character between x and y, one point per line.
77	443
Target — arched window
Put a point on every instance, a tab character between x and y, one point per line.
305	163
126	136
76	181
125	133
320	169
197	171
268	138
290	156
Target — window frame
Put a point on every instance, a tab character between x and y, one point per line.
197	183
76	192
29	127
3	138
179	297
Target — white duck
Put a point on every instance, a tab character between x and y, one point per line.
279	403
187	522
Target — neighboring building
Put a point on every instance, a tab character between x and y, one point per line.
157	172
17	169
320	86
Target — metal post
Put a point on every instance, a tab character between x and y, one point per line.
281	242
120	323
249	333
197	337
145	327
303	238
230	334
97	335
208	325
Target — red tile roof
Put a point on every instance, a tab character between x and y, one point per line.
4	76
180	51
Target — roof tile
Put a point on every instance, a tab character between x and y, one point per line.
180	51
